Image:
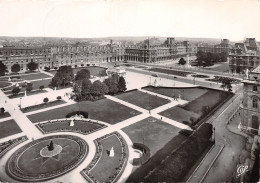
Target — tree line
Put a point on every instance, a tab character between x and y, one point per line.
83	88
209	59
32	66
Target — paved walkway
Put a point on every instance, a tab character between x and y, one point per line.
47	73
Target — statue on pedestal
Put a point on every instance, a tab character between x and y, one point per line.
50	147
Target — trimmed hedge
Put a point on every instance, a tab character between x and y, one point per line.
83	113
146	154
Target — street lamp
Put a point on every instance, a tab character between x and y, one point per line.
20	102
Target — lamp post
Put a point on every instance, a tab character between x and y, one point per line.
20	102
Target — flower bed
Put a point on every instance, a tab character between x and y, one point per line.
6	146
200	76
170	71
80	126
219	79
42	106
4	115
92	173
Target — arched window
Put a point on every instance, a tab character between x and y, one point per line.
255	125
255	102
254	88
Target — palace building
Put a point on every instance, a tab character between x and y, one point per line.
23	55
148	52
251	103
244	56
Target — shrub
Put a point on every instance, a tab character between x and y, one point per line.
83	113
82	65
185	132
59	98
16	90
55	68
75	66
45	100
41	87
47	68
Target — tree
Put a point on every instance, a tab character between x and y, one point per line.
182	61
15	68
29	87
41	87
121	84
59	98
45	100
223	56
16	90
86	88
82	74
3	69
112	85
64	76
32	66
98	89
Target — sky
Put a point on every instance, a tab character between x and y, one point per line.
231	19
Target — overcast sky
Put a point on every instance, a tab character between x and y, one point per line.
233	19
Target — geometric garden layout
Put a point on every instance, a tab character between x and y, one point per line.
46	145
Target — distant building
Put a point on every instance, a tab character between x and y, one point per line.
244	56
153	52
224	46
23	55
251	103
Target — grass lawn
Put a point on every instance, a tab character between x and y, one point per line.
81	126
179	114
189	93
152	132
94	70
36	85
170	71
4	84
106	166
43	106
221	67
5	115
8	128
103	110
208	99
34	76
141	99
27	93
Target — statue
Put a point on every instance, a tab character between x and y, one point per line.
50	147
72	123
111	152
247	73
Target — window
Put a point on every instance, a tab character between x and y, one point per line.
255	102
254	88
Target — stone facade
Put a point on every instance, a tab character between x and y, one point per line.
251	103
23	55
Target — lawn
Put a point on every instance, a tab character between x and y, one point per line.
189	93
34	76
106	167
4	115
219	79
27	93
141	99
221	67
42	106
36	85
103	110
152	132
4	84
170	71
8	128
179	114
94	70
81	126
210	98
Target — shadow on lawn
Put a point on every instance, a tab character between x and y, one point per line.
155	160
